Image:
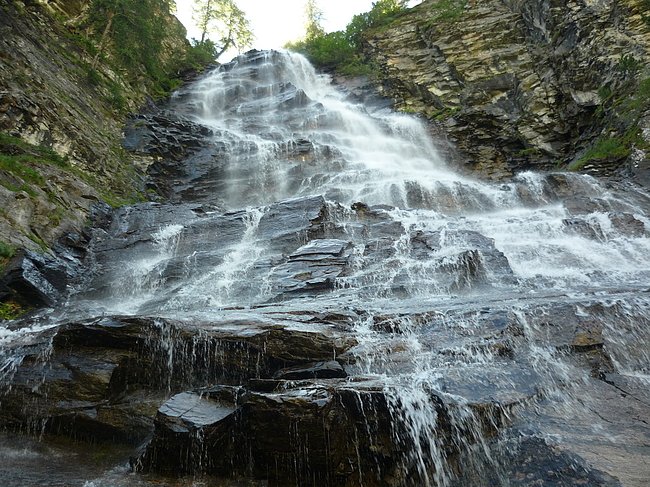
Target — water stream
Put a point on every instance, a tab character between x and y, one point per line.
522	305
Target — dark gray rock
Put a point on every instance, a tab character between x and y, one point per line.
104	379
36	279
316	370
314	266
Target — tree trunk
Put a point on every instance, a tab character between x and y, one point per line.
103	39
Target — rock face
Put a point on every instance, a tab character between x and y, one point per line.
56	97
37	280
520	85
104	379
261	400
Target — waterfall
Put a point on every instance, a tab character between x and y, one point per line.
490	321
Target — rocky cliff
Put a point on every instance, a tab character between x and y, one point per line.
63	100
516	85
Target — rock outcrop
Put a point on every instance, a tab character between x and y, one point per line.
259	399
521	85
104	379
61	111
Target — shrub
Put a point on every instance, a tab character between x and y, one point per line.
6	250
338	51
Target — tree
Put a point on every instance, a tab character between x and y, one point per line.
314	15
134	29
223	19
382	13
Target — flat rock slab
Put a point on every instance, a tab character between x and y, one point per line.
189	411
317	370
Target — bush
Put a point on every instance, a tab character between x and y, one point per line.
198	55
338	51
629	64
327	52
6	250
383	12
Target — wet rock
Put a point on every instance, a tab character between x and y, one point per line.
316	370
535	461
314	266
506	386
578	226
479	264
582	205
627	224
299	435
188	428
104	379
288	220
36	279
165	137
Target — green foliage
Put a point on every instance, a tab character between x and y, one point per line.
450	9
445	113
645	13
10	311
603	149
130	35
38	241
25	162
6	250
136	29
16	166
623	104
328	51
313	26
604	92
93	76
339	51
225	21
201	53
383	12
629	64
643	91
116	98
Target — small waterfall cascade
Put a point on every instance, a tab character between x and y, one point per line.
484	334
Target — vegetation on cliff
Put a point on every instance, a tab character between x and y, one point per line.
623	106
339	51
524	85
69	73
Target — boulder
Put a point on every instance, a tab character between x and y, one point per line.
37	279
314	266
104	379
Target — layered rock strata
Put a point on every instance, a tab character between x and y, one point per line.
520	85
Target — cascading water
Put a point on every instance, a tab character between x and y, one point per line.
495	317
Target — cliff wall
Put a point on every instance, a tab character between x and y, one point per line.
517	84
62	106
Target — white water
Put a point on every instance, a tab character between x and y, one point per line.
438	341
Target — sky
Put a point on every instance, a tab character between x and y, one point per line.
275	22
